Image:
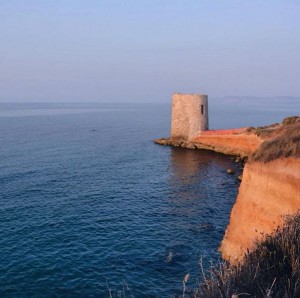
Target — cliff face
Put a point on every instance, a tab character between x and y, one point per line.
242	144
270	188
268	192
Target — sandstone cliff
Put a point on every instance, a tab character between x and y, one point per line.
270	189
267	193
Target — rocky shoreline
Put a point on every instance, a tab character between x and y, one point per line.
239	157
270	188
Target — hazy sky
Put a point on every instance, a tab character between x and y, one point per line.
143	50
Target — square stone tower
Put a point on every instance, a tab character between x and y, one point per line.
189	115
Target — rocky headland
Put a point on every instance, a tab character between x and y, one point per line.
270	187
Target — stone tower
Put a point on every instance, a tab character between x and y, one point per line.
189	115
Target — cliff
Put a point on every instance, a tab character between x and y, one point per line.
267	193
270	189
271	269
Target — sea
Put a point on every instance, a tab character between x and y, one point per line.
91	207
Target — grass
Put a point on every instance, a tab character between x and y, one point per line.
272	269
286	144
291	120
272	130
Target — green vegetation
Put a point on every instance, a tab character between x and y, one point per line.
272	269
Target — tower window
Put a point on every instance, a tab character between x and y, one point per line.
202	109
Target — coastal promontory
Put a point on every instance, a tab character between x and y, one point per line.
270	186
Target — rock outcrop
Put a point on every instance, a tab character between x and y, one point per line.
231	142
268	192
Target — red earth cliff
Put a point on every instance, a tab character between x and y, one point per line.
268	192
238	142
232	142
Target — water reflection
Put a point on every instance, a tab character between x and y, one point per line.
191	165
200	175
187	163
199	203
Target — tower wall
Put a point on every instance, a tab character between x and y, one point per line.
189	115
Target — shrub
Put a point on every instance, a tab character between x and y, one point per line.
287	144
291	120
272	269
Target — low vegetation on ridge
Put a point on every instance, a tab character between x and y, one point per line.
285	141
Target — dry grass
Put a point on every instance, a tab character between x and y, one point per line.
273	130
286	144
272	269
266	131
291	120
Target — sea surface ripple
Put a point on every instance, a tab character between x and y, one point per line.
90	205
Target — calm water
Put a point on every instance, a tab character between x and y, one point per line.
89	204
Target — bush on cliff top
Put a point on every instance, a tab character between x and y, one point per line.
272	269
286	144
275	129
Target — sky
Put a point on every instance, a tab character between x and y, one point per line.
144	50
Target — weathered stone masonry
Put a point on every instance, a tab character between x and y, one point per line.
189	115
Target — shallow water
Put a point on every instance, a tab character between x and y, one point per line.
90	204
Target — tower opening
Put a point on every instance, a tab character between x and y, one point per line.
202	109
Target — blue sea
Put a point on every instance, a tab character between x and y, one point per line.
91	207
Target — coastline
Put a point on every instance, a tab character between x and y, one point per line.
238	142
269	190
